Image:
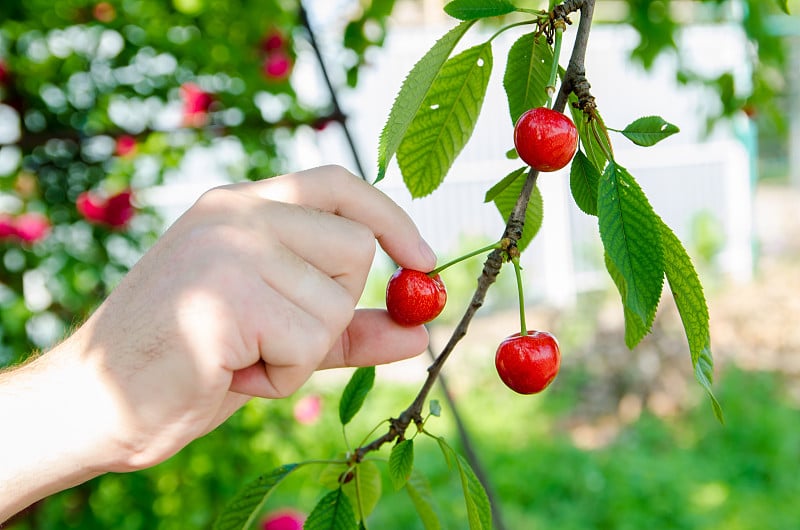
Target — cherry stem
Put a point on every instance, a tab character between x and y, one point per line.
487	248
518	272
551	83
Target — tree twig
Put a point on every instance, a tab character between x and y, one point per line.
491	268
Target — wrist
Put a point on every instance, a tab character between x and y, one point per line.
57	428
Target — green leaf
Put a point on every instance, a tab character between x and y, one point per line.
593	135
474	9
507	199
495	190
445	120
635	328
412	93
332	512
649	130
629	229
691	303
436	408
479	510
365	490
401	462
784	5
421	495
245	506
584	179
527	73
355	392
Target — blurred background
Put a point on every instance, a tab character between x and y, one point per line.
116	115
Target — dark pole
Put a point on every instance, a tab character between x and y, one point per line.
337	110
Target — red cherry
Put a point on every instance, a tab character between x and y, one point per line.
414	298
545	139
528	364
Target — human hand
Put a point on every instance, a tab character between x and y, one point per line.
247	294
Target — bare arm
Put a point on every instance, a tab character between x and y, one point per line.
247	294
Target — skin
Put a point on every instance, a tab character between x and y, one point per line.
247	294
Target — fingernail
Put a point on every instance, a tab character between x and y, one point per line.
428	253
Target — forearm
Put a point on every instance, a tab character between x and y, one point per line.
50	416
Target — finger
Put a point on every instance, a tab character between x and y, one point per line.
374	338
342	249
334	189
273	382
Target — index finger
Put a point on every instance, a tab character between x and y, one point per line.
334	189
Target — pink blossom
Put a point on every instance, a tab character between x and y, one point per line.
196	103
114	211
308	409
272	41
7	228
284	519
277	66
31	227
126	144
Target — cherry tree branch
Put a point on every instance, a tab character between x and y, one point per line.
513	231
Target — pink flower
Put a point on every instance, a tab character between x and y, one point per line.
277	66
307	410
284	519
114	211
196	103
4	73
31	227
7	228
272	41
126	145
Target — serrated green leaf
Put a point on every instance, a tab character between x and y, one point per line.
445	121
332	512
365	490
495	190
635	328
447	452
355	393
584	179
435	408
691	303
412	94
649	130
507	199
401	462
629	231
474	9
527	73
595	143
245	506
479	509
421	495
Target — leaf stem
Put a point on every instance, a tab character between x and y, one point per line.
511	26
482	250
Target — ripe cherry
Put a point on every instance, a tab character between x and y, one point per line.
545	139
528	364
414	298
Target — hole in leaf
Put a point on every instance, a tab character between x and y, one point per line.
434	106
481	62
